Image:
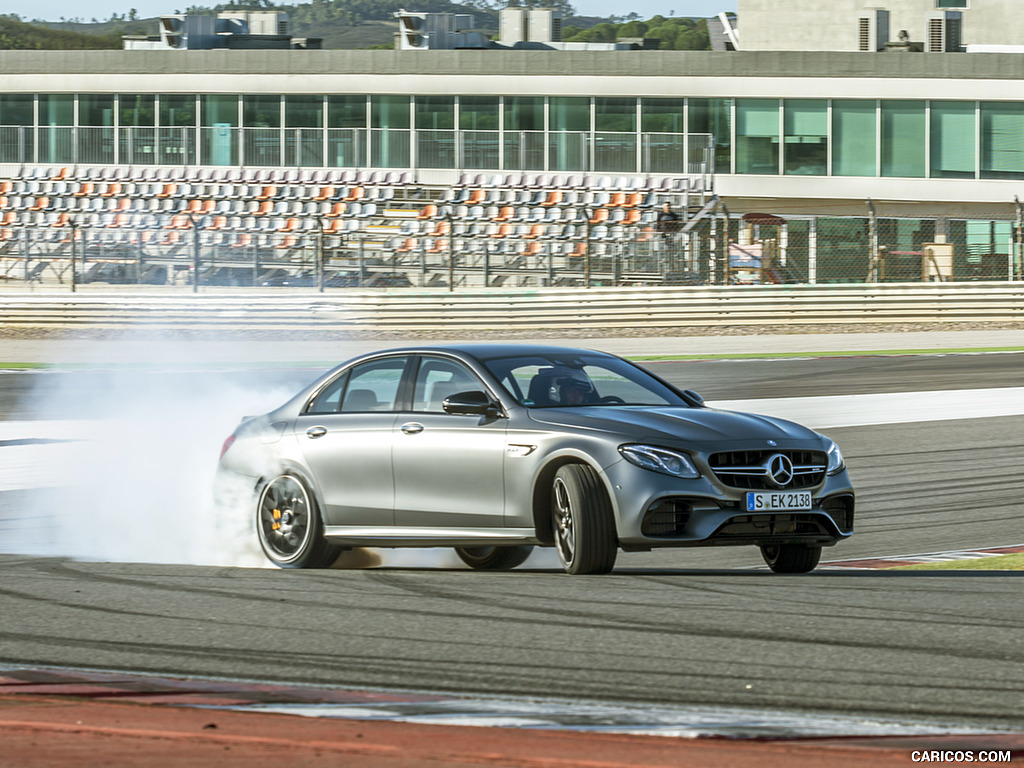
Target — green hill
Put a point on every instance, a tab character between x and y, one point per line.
16	34
356	24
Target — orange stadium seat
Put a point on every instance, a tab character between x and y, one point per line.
554	198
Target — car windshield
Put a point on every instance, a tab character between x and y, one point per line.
557	381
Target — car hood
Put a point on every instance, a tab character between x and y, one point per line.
674	423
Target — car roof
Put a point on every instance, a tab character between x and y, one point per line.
491	350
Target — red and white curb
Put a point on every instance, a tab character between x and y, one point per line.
463	710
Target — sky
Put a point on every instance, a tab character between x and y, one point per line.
54	10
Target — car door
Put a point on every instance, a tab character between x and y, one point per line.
346	436
449	469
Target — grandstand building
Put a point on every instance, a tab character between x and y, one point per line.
841	146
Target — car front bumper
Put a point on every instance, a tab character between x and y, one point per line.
656	510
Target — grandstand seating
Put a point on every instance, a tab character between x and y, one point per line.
161	211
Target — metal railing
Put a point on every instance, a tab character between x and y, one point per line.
607	308
559	151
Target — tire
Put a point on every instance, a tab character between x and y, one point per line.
791	558
582	521
289	526
493	558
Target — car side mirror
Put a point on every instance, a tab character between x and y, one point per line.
473	403
693	398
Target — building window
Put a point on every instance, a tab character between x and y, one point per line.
390	146
617	115
714	116
524	113
478	113
136	109
570	114
661	115
56	110
347	111
435	112
757	136
854	138
952	139
261	111
903	139
944	4
389	111
303	111
1002	140
478	121
524	133
615	140
303	137
806	143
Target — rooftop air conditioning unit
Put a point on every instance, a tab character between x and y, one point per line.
873	31
944	32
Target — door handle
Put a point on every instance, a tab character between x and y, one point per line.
412	428
315	432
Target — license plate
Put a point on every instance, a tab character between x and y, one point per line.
778	501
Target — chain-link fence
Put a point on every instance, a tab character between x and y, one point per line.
404	242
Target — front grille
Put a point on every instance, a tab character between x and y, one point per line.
749	469
840	508
667	518
776	526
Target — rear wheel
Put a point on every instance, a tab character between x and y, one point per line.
289	525
791	558
493	558
583	523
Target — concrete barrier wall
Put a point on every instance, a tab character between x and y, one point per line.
537	309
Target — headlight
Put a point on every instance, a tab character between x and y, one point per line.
835	460
660	460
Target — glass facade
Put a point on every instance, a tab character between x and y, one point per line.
940	139
903	139
757	136
854	138
806	144
1002	140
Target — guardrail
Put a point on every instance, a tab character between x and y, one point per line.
537	309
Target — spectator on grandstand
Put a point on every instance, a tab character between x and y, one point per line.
668	221
667	224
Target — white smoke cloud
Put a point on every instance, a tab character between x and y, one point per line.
134	480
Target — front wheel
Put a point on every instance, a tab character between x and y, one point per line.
289	526
493	558
583	523
791	558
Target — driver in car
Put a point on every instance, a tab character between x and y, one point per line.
573	391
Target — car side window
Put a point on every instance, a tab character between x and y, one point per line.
373	386
436	379
328	400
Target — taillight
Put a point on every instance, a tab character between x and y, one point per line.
227	444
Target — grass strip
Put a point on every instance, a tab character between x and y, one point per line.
1014	562
845	353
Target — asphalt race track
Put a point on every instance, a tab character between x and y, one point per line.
700	627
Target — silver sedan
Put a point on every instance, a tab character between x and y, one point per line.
494	449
